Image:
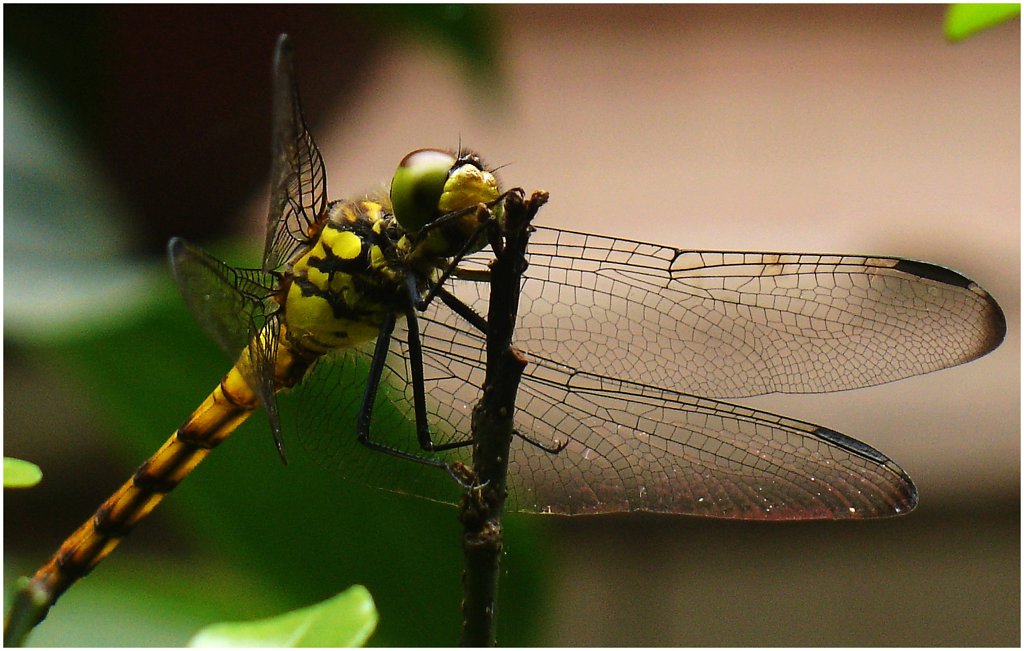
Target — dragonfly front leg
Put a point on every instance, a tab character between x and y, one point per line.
466	312
488	224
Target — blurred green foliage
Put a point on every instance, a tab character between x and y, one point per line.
19	473
963	19
345	620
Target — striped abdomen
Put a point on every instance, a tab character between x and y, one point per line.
222	411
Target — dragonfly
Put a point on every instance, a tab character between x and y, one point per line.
367	314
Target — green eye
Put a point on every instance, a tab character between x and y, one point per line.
417	186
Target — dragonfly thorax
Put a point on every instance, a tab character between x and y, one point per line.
353	276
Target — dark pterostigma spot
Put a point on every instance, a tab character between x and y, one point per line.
933	272
853	445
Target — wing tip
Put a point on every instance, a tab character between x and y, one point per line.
912	497
996	322
283	42
175	246
992	319
902	499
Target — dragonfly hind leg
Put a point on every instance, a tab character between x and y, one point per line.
554	449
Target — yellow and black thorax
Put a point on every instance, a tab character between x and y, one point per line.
340	290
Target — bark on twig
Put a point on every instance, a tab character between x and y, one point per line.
482	506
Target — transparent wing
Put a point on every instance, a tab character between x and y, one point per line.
631	447
732	324
234	307
624	338
298	193
324	407
635	447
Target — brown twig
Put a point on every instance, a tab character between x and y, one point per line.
482	506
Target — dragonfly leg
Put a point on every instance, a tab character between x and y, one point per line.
465	477
489	224
457	214
380	354
555	449
466	312
421	304
372	384
418	388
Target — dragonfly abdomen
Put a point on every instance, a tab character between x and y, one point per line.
219	415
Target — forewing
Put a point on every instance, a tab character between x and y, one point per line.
298	194
234	307
724	324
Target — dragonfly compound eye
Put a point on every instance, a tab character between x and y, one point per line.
417	187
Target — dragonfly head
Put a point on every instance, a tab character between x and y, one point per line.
430	183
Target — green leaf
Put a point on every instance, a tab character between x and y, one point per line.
963	20
20	474
345	620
